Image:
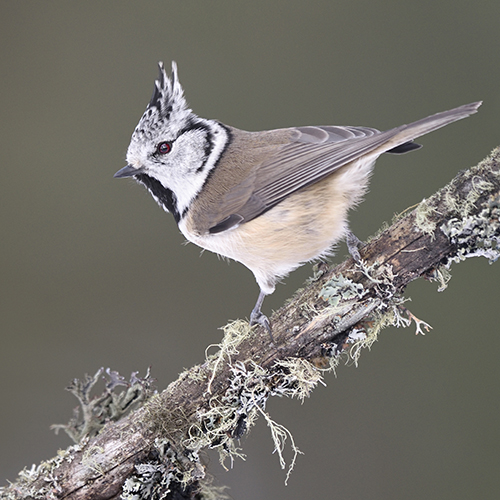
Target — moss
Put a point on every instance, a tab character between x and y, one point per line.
235	333
423	217
229	416
300	374
92	460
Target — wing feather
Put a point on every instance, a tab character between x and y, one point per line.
309	156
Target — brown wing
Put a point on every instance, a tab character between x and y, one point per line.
312	154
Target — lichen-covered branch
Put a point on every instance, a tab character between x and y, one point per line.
153	452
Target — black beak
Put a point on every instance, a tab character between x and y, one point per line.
127	171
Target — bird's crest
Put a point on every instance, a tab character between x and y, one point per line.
167	108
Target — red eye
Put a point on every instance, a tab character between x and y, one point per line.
164	148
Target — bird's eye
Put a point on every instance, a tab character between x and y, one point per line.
164	148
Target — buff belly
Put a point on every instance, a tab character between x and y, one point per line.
303	227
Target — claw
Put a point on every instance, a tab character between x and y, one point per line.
263	320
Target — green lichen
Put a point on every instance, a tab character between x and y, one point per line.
234	413
110	405
339	289
96	411
475	235
442	275
163	472
384	308
92	459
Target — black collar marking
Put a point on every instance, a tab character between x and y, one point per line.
163	195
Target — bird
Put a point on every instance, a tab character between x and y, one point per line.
271	200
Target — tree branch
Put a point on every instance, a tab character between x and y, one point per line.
153	452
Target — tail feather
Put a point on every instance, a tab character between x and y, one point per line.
407	133
404	148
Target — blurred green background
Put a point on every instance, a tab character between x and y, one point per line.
94	274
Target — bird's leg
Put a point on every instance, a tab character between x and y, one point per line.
257	317
353	243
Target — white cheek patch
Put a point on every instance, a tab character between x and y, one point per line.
190	164
183	170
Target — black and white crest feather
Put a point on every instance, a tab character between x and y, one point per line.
167	104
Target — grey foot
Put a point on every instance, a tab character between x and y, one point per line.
257	317
353	243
